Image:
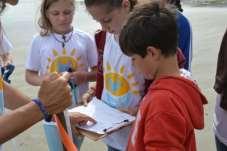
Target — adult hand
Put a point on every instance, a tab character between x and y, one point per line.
80	119
55	93
86	98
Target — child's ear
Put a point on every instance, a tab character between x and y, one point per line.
125	4
153	52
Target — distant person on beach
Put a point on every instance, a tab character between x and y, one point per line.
220	86
6	61
173	106
60	47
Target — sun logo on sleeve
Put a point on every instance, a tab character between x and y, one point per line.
62	61
120	83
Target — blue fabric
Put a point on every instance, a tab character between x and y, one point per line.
220	146
7	71
53	138
109	148
51	131
2	106
185	38
75	94
1	103
78	140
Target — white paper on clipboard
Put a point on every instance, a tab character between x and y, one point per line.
108	119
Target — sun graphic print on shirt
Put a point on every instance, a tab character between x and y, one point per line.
120	87
62	61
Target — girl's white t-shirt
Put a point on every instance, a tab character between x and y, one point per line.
123	86
47	54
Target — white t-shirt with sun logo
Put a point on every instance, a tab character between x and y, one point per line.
123	86
47	54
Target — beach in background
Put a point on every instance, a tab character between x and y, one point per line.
208	25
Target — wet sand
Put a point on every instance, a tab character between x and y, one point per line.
208	28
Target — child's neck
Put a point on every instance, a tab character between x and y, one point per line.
168	67
63	32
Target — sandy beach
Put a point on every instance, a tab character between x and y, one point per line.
208	25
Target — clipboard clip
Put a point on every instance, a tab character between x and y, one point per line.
124	121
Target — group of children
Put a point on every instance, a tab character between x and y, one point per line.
141	43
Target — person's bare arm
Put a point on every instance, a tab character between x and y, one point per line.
33	78
92	74
13	123
83	76
16	100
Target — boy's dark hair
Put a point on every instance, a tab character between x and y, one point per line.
109	3
150	25
177	4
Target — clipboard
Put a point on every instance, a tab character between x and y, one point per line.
108	119
91	135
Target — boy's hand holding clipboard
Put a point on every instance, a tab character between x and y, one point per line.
107	119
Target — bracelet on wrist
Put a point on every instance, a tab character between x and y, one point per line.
42	108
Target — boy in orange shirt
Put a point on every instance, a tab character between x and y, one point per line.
173	106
